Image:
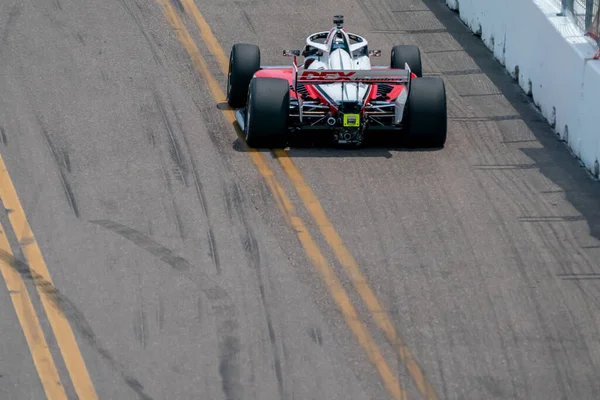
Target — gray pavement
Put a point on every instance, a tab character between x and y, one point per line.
182	280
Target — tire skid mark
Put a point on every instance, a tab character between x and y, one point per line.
179	153
199	309
151	138
491	305
229	368
214	253
175	153
136	20
557	245
449	330
80	39
75	317
252	379
160	313
146	243
56	155
13	14
557	238
590	294
3	134
271	330
140	322
409	239
386	260
140	326
316	335
592	306
147	112
368	13
538	309
248	21
59	24
286	360
514	187
252	250
588	298
229	206
66	160
212	244
222	305
379	237
62	164
312	250
229	364
507	188
178	222
579	338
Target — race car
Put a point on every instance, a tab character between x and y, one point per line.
336	90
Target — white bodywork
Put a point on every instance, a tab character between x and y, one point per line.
340	59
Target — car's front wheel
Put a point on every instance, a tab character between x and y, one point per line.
427	116
244	61
407	54
267	113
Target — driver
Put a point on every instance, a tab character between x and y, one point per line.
338	42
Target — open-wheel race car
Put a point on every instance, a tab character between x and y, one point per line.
336	90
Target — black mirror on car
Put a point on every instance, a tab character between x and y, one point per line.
291	53
374	53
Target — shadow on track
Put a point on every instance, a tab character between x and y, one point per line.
317	145
554	160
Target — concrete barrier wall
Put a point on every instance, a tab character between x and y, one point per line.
550	58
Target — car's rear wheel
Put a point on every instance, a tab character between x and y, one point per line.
244	61
407	54
427	117
267	113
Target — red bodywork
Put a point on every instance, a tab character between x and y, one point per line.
288	73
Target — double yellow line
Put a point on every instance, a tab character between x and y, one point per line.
37	270
310	201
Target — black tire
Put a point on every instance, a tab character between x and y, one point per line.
267	113
410	55
244	61
427	116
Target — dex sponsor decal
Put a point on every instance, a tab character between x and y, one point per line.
327	76
350	76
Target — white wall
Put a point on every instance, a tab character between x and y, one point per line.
550	59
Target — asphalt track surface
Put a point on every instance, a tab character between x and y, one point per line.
171	262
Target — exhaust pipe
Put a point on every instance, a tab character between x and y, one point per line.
331	121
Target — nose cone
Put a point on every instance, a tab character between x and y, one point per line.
340	60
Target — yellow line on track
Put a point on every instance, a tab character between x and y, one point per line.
43	282
207	36
381	317
312	204
30	324
311	248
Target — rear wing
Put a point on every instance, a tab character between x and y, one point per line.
373	76
376	75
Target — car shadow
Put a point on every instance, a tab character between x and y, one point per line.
316	144
554	159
